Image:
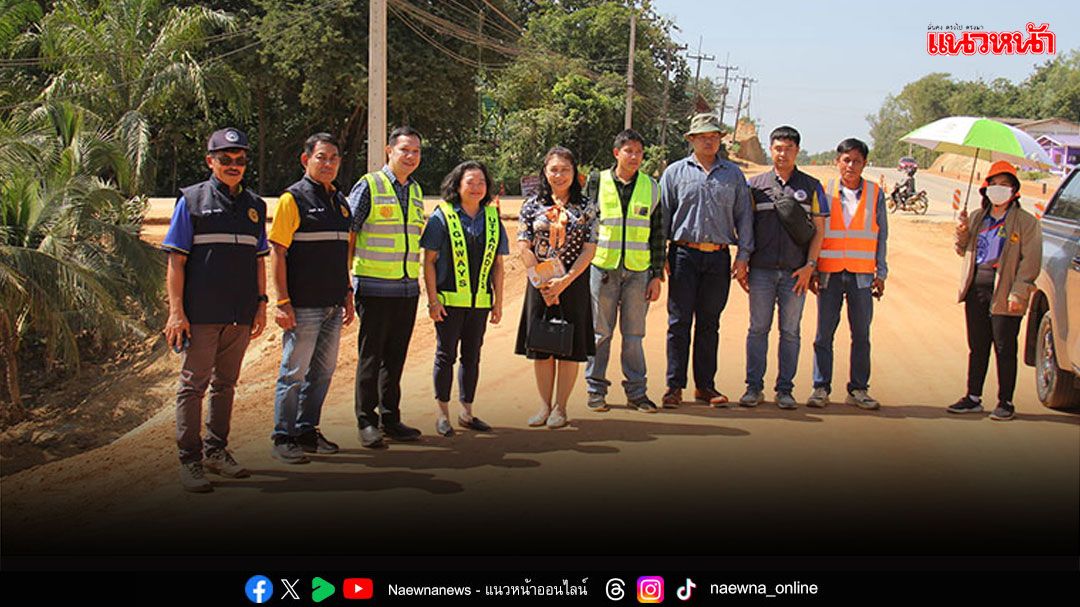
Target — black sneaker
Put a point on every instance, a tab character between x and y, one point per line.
1004	412
313	441
965	405
400	432
643	404
285	449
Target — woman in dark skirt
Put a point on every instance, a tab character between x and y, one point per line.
557	223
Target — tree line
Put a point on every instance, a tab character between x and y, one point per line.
108	102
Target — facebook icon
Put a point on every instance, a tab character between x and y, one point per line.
259	589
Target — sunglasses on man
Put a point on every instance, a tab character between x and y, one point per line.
227	161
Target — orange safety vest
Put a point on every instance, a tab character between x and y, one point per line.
852	248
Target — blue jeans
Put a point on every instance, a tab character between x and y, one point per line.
618	296
770	289
860	311
308	358
697	294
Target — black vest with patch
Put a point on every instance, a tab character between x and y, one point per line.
220	276
317	263
774	248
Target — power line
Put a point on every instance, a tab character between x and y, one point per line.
35	61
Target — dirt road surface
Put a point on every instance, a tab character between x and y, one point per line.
906	480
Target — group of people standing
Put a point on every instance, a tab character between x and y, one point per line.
597	252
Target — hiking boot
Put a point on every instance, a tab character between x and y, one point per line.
672	398
643	404
965	405
287	450
220	461
818	398
193	479
1003	412
862	400
785	400
313	441
711	397
597	402
752	398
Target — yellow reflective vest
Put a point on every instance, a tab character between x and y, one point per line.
388	245
630	231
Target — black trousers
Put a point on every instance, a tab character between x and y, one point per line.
386	326
985	330
462	327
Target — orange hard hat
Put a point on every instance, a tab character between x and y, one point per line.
1001	167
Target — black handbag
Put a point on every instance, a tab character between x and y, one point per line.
794	218
552	335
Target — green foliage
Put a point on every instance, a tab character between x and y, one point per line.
71	260
132	61
1052	91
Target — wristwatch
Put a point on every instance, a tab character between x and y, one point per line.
263	298
812	263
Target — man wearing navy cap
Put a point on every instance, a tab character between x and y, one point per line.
216	282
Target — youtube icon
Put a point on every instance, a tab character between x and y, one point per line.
357	588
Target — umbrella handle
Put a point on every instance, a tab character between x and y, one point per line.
971	177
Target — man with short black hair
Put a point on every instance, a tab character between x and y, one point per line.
780	268
851	267
216	283
388	217
310	265
627	269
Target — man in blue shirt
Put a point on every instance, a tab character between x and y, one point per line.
216	282
706	209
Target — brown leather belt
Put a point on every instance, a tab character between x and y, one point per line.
707	247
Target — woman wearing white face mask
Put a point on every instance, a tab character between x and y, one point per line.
1002	248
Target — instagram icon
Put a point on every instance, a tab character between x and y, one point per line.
650	589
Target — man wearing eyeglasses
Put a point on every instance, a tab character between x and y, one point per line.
216	283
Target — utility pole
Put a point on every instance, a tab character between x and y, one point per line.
479	77
668	52
724	89
376	84
744	84
700	58
628	119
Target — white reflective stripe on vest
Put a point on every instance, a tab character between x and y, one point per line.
379	241
771	206
630	246
244	239
841	254
382	256
319	236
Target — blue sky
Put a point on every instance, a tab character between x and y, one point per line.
823	66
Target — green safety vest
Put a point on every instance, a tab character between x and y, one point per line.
631	231
388	245
465	293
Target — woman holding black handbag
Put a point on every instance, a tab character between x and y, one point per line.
556	241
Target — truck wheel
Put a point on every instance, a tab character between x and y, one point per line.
1055	386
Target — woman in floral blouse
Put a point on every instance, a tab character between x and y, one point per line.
558	222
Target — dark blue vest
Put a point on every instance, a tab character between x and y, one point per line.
220	277
773	247
317	263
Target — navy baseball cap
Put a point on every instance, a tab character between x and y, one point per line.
227	139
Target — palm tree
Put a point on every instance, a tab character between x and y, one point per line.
71	261
129	60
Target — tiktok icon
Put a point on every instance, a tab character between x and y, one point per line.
685	590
